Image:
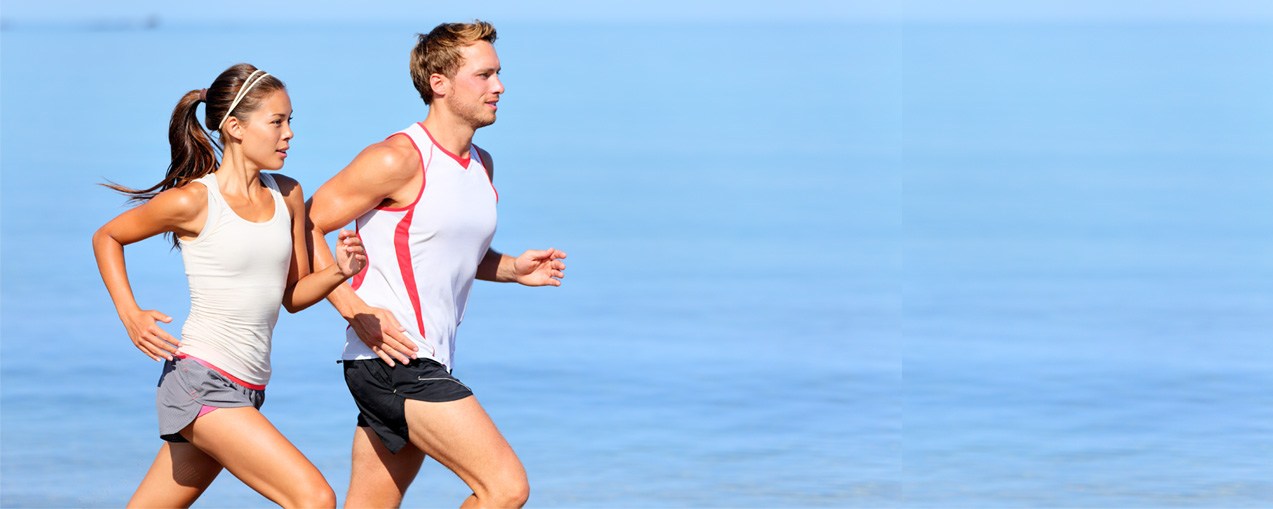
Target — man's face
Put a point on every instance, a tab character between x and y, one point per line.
475	89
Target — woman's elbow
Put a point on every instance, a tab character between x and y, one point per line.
291	305
100	239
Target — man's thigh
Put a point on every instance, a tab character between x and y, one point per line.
462	437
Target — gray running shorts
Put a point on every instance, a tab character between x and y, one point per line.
188	385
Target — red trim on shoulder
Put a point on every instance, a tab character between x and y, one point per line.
402	246
463	161
478	152
424	165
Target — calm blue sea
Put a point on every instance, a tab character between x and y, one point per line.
818	265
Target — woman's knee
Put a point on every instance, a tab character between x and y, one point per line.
312	494
324	497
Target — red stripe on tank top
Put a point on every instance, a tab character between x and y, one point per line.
402	245
357	282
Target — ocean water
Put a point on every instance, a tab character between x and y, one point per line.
810	265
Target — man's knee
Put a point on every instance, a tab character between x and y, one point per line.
511	496
510	490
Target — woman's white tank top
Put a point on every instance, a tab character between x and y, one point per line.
237	271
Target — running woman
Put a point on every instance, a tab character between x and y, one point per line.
243	239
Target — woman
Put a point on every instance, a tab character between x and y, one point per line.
242	235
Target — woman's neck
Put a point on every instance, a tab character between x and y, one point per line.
236	175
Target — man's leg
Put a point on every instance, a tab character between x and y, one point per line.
379	478
460	435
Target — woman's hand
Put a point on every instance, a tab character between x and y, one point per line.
351	258
147	336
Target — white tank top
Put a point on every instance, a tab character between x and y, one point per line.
237	271
422	258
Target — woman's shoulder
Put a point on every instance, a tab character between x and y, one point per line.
185	201
283	181
191	193
289	187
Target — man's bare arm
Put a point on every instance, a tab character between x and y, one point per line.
387	173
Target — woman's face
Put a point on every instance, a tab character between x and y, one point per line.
268	131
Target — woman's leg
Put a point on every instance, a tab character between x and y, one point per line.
178	476
244	441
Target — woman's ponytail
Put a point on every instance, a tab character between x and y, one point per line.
194	151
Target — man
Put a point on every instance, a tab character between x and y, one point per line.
424	203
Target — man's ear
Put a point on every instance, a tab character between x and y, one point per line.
440	84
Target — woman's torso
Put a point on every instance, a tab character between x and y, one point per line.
237	271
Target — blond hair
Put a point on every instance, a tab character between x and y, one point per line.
438	52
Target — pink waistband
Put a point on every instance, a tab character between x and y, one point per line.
232	378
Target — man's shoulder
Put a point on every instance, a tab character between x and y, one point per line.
487	161
394	155
482	153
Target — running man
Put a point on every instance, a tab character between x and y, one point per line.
424	205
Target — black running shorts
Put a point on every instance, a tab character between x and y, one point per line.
380	390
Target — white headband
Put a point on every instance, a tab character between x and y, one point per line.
243	92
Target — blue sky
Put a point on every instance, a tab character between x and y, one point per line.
257	11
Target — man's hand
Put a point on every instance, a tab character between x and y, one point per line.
538	267
383	334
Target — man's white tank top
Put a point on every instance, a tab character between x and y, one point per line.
422	258
237	271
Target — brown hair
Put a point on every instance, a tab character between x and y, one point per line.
194	152
438	52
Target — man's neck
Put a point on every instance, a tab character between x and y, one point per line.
449	132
